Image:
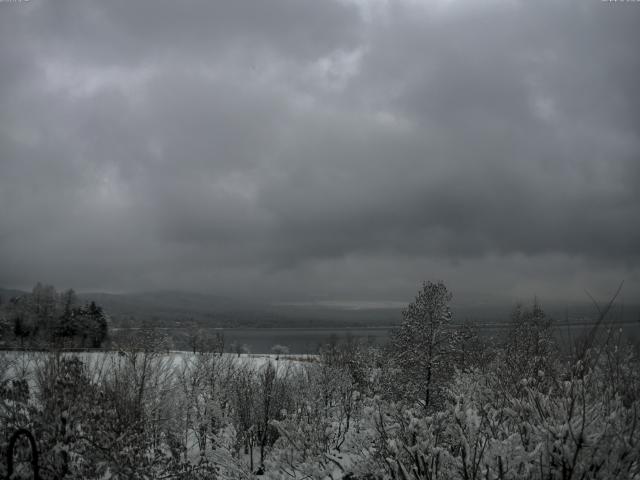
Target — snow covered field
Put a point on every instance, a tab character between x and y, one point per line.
20	363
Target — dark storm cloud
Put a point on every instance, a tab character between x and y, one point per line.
331	149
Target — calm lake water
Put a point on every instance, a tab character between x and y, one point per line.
307	340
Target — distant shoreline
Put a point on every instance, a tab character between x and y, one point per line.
496	325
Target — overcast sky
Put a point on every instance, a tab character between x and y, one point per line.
323	150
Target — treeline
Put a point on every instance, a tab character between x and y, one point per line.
47	317
436	403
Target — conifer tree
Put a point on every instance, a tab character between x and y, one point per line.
422	346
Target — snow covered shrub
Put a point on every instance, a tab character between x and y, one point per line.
308	428
407	440
14	408
579	429
489	438
323	432
530	351
92	421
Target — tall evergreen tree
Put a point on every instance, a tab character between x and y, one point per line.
422	346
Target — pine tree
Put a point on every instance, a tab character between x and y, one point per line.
422	346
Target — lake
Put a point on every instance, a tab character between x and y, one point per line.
307	340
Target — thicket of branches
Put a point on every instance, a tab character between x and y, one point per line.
439	402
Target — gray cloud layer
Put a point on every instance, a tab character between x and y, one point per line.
322	149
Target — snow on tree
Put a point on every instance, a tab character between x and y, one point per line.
530	347
422	347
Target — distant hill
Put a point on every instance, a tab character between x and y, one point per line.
169	308
7	293
176	309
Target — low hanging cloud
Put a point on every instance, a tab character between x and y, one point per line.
334	150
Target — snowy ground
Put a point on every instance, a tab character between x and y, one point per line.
20	364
